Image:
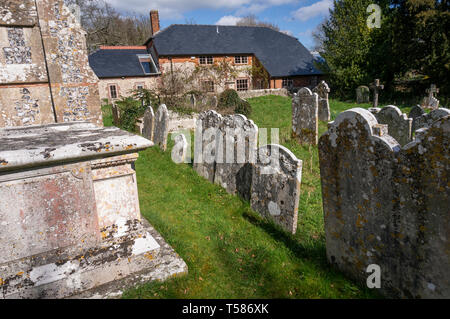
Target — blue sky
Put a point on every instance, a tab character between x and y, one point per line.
297	17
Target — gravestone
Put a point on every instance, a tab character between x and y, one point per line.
206	143
115	114
180	149
427	119
238	143
322	91
376	87
399	125
44	69
362	94
161	131
215	101
384	204
193	100
149	123
416	111
275	187
70	219
305	124
431	102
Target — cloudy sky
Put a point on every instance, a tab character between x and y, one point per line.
297	17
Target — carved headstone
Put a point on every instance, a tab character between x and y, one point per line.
376	87
322	91
115	114
362	94
161	131
399	125
31	47
206	143
180	149
149	123
416	111
305	124
427	119
383	204
276	186
239	139
431	102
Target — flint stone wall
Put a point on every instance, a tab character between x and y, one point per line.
233	169
275	185
388	205
305	123
255	93
399	124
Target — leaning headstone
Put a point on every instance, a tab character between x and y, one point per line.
275	187
322	91
385	206
206	143
416	111
45	75
305	124
427	119
148	123
376	87
399	125
238	143
362	94
161	131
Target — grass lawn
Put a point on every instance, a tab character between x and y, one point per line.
230	251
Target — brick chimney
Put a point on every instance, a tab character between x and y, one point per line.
154	20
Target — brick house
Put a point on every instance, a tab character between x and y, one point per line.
279	59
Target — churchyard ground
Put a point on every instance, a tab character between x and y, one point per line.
231	252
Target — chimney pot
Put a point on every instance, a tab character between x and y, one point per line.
154	21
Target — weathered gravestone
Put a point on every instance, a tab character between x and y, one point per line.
44	71
180	149
237	145
376	87
399	124
431	102
206	143
161	131
427	119
148	123
416	111
362	94
115	114
305	124
275	187
193	100
387	206
70	223
322	91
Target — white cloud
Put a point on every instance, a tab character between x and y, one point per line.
228	20
288	32
319	8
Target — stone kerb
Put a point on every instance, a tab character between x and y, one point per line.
237	143
275	187
379	199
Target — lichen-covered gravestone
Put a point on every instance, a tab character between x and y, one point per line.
427	119
322	91
305	124
362	94
206	143
275	187
399	124
239	139
386	205
149	123
161	132
44	69
416	111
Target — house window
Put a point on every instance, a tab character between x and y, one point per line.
240	59
113	91
208	86
139	86
206	60
287	83
242	84
148	66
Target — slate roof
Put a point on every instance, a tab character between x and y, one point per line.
281	55
108	63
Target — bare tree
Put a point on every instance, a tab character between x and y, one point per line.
252	21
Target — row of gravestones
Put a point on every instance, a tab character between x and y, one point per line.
386	206
226	153
308	107
206	100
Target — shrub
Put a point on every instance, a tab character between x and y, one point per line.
228	98
130	111
243	108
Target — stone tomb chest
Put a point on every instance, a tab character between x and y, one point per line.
70	223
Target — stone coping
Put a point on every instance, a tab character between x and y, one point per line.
41	145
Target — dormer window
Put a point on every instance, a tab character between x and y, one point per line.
206	59
147	63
